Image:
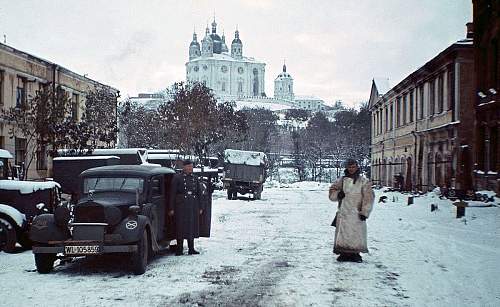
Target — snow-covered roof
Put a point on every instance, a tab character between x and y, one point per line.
261	105
117	151
307	97
383	85
86	158
26	187
5	154
254	158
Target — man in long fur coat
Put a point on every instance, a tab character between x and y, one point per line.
354	193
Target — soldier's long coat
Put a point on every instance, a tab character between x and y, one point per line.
185	200
350	232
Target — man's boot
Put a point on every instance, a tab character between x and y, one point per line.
192	251
342	257
357	258
180	248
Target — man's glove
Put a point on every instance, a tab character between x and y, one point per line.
341	195
362	217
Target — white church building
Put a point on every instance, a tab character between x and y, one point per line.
228	73
233	76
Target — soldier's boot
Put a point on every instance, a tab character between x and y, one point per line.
192	251
180	248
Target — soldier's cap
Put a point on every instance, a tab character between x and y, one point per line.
187	162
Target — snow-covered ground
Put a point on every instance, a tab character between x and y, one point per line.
278	252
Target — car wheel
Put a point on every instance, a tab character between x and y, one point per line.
8	236
140	258
44	262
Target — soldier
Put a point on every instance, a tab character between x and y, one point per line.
186	207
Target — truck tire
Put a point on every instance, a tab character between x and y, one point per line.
235	194
44	263
25	241
140	258
8	236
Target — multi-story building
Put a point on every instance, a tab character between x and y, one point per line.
422	126
486	152
21	75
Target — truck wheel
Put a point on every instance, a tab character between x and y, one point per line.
140	258
235	195
256	195
44	262
8	236
25	241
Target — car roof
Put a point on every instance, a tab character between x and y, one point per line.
127	170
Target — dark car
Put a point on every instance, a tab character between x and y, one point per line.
121	209
20	202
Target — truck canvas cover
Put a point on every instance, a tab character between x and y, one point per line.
253	158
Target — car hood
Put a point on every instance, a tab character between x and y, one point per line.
110	199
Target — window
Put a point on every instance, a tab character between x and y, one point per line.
41	158
440	94
421	101
21	92
391	116
405	106
2	142
74	106
223	86
432	96
20	148
240	87
1	87
411	106
398	112
386	119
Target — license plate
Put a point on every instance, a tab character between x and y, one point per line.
82	249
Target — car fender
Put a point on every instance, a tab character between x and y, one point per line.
14	214
130	229
44	229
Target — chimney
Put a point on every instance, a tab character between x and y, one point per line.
470	30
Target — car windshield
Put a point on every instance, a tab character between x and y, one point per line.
125	184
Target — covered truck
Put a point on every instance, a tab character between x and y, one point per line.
244	172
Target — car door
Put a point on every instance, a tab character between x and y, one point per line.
158	201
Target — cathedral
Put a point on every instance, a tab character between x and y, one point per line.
232	76
228	73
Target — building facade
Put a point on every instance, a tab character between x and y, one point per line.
21	76
422	126
486	14
228	73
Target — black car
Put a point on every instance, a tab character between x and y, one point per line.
121	209
20	202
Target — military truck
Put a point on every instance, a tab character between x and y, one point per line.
20	203
244	172
120	209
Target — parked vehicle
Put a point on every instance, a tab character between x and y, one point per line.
67	169
244	172
4	164
121	209
20	203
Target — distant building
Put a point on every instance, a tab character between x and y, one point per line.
486	152
421	126
21	75
228	73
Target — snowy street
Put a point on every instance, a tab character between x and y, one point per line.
278	252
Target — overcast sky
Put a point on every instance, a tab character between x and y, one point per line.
333	48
